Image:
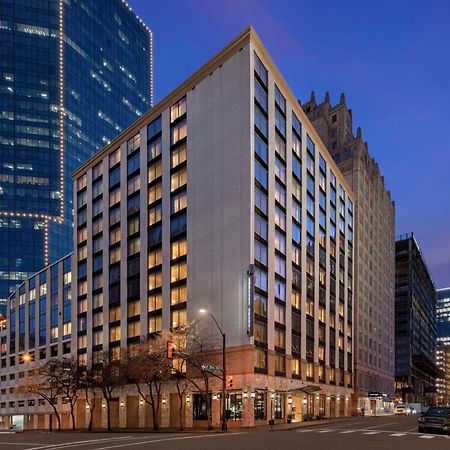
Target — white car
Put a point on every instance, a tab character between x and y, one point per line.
400	410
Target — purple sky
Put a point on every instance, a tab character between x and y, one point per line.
391	58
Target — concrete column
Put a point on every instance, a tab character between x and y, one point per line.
165	412
216	410
122	410
141	413
248	415
189	422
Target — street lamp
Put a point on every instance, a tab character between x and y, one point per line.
224	371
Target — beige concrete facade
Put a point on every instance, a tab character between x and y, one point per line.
374	251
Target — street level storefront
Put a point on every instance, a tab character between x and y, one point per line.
246	407
375	403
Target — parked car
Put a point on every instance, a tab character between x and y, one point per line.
436	418
400	410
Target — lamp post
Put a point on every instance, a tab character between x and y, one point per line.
224	371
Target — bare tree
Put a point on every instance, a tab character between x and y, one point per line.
106	377
46	384
147	367
189	363
89	384
70	378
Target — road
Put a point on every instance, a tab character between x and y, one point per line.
368	433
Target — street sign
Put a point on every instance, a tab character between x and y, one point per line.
211	367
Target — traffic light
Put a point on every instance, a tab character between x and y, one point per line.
170	349
230	381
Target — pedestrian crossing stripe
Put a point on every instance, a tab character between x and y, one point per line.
426	437
373	432
398	434
325	431
348	431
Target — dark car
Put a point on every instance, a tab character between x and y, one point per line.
436	418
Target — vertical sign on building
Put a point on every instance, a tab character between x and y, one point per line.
250	298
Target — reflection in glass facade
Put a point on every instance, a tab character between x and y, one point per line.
73	75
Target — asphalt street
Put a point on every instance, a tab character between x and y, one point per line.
368	433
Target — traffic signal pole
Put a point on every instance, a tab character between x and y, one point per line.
224	385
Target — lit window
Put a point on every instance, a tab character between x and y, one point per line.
178	132
154	193
178	318
154	214
154	324
154	171
178	156
154	302
154	258
178	271
178	295
154	149
133	143
178	248
154	280
178	202
178	109
178	179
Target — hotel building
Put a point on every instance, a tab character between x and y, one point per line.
73	75
374	250
222	197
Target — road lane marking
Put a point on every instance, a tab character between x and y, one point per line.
168	439
304	431
73	443
398	434
382	425
372	432
325	431
426	437
348	431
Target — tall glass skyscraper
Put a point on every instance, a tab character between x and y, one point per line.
73	75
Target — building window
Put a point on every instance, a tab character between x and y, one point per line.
178	318
178	179
178	271
178	202
154	193
154	128
178	249
260	359
178	155
133	144
154	258
178	295
178	109
154	171
154	149
155	324
178	132
154	302
114	157
260	70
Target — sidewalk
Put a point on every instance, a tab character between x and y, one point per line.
294	425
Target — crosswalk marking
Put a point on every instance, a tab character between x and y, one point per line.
426	437
398	434
373	432
304	431
325	431
348	431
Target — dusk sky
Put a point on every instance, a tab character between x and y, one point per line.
391	58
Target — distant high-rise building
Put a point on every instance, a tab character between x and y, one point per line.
374	253
415	324
73	75
443	345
